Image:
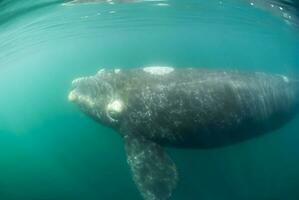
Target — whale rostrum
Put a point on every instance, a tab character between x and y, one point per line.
156	107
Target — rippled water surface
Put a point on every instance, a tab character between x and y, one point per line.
51	151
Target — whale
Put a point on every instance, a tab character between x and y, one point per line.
160	106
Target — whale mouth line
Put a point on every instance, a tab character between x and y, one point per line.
80	99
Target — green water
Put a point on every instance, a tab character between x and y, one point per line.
49	150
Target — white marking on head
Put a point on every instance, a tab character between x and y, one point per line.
162	4
116	71
77	80
82	99
101	71
158	70
87	100
72	96
114	108
286	79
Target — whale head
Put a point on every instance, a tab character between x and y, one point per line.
98	97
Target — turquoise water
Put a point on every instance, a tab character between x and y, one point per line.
49	150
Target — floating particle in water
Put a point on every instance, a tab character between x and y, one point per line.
286	15
85	17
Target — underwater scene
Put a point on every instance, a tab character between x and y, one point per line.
149	99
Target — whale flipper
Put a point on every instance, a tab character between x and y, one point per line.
153	170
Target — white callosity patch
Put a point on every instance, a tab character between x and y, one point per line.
101	71
114	109
74	96
77	80
158	70
286	79
116	71
115	106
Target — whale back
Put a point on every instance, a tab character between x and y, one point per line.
203	108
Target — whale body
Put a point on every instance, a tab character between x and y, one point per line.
156	107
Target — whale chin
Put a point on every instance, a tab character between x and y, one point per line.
72	96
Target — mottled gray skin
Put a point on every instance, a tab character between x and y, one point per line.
199	109
186	108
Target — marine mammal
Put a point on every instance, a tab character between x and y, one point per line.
153	107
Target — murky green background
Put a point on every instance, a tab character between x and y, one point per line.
49	150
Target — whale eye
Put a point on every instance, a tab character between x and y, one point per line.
114	109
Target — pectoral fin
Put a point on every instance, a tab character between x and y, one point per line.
153	170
